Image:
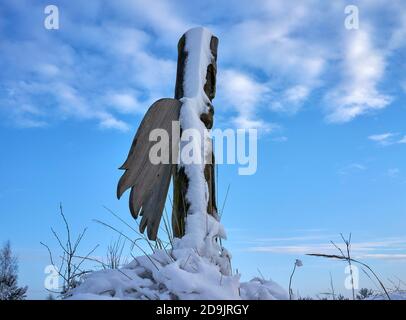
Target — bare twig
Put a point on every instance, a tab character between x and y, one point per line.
290	282
298	263
332	287
69	269
134	243
334	256
129	226
348	247
225	200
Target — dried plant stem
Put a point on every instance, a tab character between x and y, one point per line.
334	256
290	282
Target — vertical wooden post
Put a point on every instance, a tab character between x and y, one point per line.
180	180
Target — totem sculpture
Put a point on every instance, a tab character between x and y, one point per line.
194	202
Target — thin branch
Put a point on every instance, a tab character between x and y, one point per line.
348	246
290	282
225	200
332	287
334	256
66	226
132	241
80	263
129	226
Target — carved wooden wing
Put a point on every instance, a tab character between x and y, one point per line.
149	182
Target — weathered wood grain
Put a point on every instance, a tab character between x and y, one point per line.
149	182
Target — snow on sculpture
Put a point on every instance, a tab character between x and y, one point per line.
150	182
197	266
194	182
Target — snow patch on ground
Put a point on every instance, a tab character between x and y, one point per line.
261	289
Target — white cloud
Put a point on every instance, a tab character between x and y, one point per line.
109	122
291	100
73	105
388	248
352	168
398	37
266	45
386	256
364	68
383	138
25	122
279	42
297	94
246	96
124	102
387	139
269	39
160	15
156	75
68	102
28	116
291	238
243	92
124	40
62	83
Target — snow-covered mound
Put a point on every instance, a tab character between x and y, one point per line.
180	274
261	289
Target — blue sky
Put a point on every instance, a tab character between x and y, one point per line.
329	103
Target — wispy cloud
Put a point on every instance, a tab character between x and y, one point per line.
109	122
363	68
383	256
352	168
124	102
387	248
387	139
273	58
166	21
397	39
292	238
81	75
291	100
245	95
272	45
383	138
